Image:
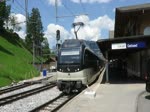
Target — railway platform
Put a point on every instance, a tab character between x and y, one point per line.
108	98
50	76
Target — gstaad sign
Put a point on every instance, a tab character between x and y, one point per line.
136	45
130	45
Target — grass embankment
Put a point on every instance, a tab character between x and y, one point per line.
15	60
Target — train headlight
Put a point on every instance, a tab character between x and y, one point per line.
68	69
59	69
78	69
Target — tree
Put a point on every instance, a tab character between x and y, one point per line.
45	49
2	14
35	26
7	13
34	31
13	22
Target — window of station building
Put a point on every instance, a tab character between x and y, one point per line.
147	31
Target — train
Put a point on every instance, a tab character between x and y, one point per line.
78	64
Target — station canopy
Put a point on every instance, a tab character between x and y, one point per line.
128	32
106	45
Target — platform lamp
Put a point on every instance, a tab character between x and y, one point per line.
79	24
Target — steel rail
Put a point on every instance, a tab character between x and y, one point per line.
12	98
20	86
13	88
54	104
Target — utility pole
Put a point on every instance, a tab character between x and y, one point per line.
56	10
41	58
33	44
33	52
26	11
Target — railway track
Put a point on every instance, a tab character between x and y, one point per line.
13	88
12	98
54	104
20	86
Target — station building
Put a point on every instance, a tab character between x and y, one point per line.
128	48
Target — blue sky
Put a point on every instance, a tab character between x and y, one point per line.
100	18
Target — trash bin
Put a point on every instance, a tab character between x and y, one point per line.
44	72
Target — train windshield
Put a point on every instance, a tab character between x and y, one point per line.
70	56
71	43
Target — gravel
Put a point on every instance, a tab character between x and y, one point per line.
29	103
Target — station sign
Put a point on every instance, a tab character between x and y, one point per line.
136	45
118	46
131	45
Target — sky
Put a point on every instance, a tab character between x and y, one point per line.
98	17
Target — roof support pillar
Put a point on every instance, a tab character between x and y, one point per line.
107	68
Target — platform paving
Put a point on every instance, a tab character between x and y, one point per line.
109	98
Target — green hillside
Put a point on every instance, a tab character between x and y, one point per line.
15	60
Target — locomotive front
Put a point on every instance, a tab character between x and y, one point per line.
69	66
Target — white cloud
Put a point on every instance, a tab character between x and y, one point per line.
82	18
90	31
93	28
103	22
114	10
91	1
21	33
20	20
52	2
50	34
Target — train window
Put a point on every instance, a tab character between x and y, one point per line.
93	45
70	56
71	43
147	31
70	59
